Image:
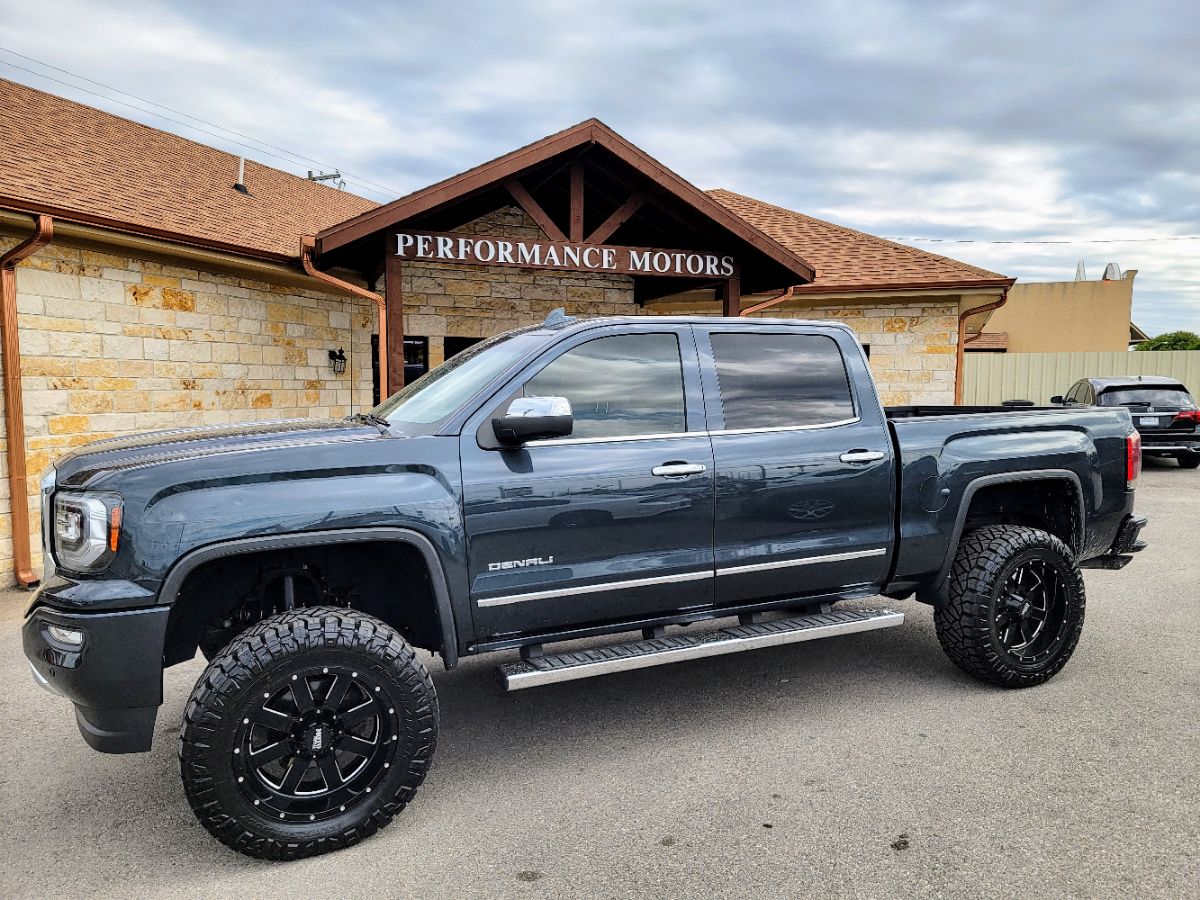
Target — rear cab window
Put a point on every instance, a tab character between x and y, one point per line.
781	380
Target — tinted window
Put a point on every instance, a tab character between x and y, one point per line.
622	385
1164	395
773	380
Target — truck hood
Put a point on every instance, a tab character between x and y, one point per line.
83	466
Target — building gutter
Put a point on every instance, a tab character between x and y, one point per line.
14	404
307	245
172	237
963	340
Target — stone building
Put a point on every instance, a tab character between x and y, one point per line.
159	283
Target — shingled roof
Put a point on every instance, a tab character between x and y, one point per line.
84	165
849	260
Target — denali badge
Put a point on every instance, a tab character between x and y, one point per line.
520	563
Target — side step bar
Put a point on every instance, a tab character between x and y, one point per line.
659	651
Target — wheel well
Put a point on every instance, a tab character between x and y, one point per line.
1050	504
222	597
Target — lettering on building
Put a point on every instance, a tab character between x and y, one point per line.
488	251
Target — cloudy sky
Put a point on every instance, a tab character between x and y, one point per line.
1075	124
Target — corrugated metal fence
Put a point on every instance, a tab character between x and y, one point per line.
990	378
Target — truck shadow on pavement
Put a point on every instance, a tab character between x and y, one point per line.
489	738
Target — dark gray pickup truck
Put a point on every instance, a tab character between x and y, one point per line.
565	481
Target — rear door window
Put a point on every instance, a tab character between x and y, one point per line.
778	380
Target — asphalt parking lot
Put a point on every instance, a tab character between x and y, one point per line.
863	766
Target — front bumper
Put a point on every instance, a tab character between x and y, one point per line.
114	676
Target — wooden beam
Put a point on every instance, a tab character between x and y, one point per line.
533	209
394	296
731	297
619	217
576	224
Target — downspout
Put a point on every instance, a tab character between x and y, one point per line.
774	301
307	245
960	348
14	404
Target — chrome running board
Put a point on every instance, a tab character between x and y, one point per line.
660	651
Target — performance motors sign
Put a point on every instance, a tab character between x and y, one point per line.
427	246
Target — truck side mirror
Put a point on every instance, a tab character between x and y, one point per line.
532	418
1057	398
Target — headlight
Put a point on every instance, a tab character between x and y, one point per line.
87	528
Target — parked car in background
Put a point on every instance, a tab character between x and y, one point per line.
1163	411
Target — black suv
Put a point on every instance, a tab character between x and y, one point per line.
1163	411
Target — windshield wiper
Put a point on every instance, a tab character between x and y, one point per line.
372	419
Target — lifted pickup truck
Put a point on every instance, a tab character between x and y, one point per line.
558	482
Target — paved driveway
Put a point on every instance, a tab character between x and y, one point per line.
862	766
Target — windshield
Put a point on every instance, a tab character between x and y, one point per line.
1165	395
441	391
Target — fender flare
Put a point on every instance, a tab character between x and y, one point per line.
937	587
189	562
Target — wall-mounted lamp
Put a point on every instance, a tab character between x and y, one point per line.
337	361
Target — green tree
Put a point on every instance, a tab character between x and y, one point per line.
1172	340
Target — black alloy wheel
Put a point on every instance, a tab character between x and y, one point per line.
310	731
1029	612
316	744
1015	605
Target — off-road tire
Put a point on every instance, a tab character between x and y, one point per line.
268	656
1191	461
966	623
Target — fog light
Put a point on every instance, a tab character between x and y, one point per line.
72	637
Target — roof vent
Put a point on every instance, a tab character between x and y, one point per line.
240	185
1081	272
1112	272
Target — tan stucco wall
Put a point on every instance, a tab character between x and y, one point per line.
1066	316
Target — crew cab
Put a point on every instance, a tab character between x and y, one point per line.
612	480
1164	413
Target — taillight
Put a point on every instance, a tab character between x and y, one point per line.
1187	415
1133	459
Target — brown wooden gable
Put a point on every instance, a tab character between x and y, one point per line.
586	184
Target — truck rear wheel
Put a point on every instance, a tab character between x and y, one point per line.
309	732
1015	608
1191	461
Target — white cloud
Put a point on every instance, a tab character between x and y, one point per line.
908	119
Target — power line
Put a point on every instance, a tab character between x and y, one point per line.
373	187
1168	237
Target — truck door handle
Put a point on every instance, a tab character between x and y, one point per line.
861	456
675	469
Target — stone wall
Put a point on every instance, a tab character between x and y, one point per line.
113	344
912	340
912	344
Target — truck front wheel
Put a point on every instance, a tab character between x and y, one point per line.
1015	607
309	732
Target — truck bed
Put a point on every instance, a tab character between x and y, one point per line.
921	411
